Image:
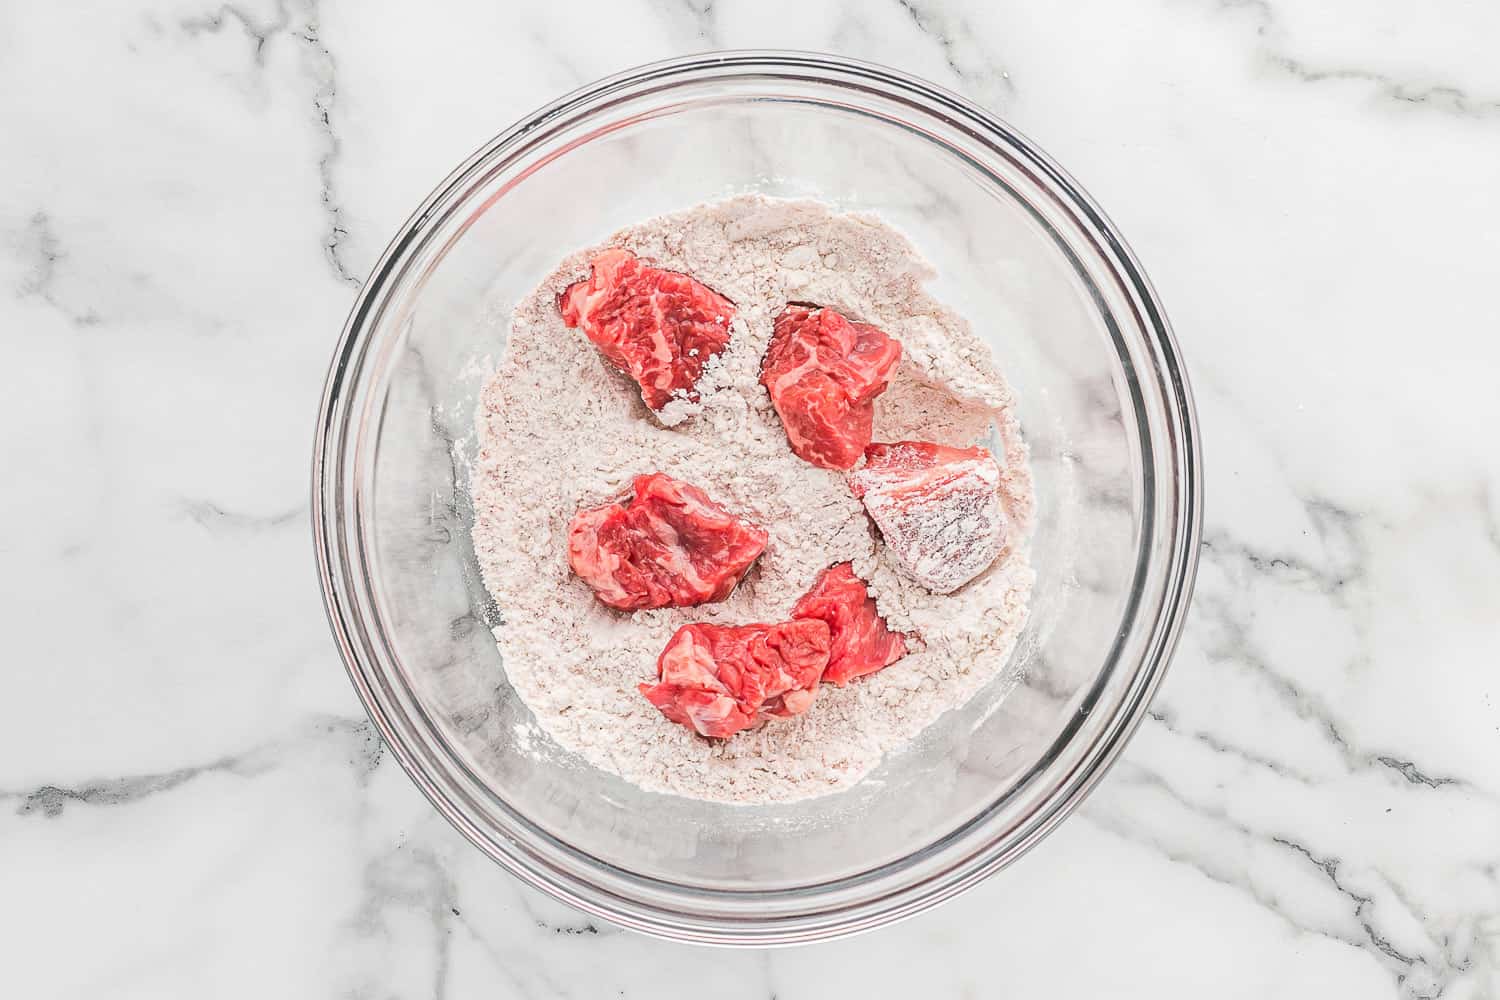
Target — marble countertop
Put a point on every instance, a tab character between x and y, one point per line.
194	803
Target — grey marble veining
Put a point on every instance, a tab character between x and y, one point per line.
192	803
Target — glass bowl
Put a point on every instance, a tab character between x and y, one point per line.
1103	401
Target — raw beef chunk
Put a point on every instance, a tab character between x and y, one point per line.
937	508
659	327
823	373
720	679
670	547
858	643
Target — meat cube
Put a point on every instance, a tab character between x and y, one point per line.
858	641
671	546
720	679
823	373
937	508
659	327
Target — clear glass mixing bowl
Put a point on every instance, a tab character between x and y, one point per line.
1103	400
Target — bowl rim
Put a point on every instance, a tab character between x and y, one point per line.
840	918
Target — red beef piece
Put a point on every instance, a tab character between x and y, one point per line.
720	679
659	327
670	547
937	508
859	642
823	373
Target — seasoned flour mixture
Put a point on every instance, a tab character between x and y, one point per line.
560	430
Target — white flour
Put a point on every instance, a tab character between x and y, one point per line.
560	429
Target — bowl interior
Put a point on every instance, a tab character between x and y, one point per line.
1009	258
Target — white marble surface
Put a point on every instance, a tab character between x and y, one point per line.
193	802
